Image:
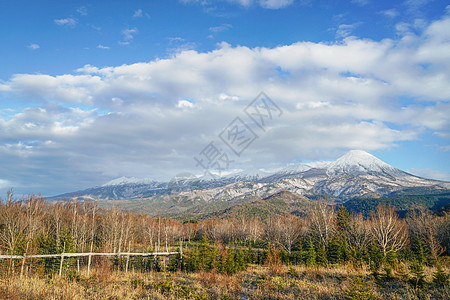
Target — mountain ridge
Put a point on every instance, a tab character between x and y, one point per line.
355	174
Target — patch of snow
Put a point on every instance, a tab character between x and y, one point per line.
128	180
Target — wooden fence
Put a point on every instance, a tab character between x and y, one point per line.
88	254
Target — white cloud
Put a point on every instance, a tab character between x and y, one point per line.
275	4
33	46
4	184
82	10
220	28
138	13
151	118
185	104
345	30
269	4
66	22
361	2
128	35
390	13
431	174
100	46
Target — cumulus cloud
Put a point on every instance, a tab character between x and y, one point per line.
185	104
275	4
361	2
269	4
414	6
390	13
128	35
150	119
345	30
430	173
100	46
138	13
220	28
71	22
82	10
33	46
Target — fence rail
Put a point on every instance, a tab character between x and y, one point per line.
87	254
62	256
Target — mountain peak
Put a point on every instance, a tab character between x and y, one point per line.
358	162
357	155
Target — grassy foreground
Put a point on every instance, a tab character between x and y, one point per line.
257	282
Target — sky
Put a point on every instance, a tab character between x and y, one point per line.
94	90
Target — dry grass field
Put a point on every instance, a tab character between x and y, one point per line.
257	282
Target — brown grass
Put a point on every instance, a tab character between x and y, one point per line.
256	283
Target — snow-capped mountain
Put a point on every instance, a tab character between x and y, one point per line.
357	162
355	174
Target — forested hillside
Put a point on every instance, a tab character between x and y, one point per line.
412	251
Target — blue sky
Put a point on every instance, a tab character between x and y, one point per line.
91	91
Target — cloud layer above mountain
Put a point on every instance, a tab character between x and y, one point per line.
151	118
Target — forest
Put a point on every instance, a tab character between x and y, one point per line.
326	254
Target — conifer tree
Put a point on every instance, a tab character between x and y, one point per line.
321	258
300	254
359	290
418	251
343	219
418	280
310	254
375	258
334	250
230	266
440	278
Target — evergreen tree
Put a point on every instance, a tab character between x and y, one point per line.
230	266
47	245
418	280
66	242
300	254
193	259
203	252
391	257
240	260
375	258
440	277
321	258
359	290
343	219
249	257
310	254
175	263
335	250
419	252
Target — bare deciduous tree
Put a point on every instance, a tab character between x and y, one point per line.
358	233
388	231
425	225
323	222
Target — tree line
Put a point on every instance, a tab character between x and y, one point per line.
327	235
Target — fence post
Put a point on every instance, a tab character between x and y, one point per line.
128	256
181	255
62	259
23	264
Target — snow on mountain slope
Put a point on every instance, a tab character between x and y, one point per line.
128	180
250	175
358	162
355	174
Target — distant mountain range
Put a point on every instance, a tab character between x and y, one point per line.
355	175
